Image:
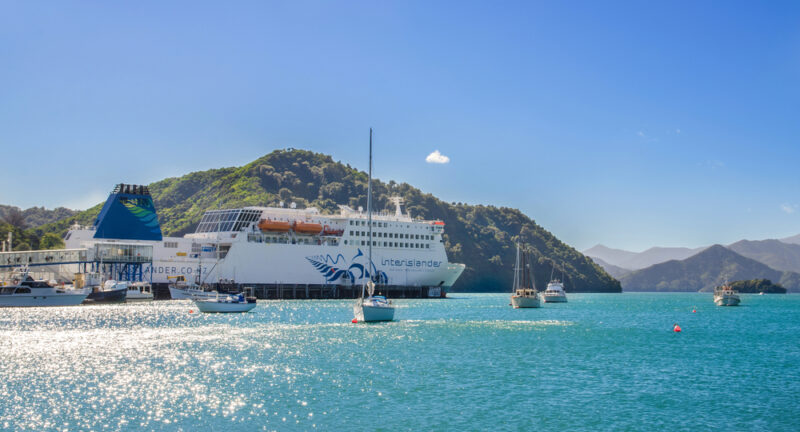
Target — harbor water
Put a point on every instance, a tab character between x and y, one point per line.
471	362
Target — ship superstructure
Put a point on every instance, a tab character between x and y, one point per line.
266	247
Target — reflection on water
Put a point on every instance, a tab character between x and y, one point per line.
470	363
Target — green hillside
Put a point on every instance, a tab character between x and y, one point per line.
756	286
482	237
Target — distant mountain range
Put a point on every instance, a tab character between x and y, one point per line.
704	271
638	260
611	269
656	269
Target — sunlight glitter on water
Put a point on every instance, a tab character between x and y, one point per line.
302	365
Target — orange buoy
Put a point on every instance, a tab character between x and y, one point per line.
694	310
190	311
676	328
354	321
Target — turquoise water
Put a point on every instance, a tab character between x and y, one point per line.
599	362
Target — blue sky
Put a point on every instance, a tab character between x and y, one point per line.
631	124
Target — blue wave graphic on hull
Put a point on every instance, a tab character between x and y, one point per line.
333	274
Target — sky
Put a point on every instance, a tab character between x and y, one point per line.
630	124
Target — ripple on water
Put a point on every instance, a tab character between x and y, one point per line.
473	363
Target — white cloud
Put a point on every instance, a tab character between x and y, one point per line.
788	208
437	158
641	134
677	131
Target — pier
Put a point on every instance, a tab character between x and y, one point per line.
277	291
120	261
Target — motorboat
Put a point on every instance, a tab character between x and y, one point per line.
555	292
726	296
179	289
524	294
226	303
27	292
139	292
109	291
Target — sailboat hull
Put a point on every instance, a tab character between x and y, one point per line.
364	313
525	302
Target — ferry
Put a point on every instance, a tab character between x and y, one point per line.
278	246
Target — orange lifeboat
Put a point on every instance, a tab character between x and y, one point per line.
328	231
307	228
271	225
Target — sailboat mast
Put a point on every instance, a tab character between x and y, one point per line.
369	203
516	272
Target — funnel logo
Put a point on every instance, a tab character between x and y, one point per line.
334	269
146	216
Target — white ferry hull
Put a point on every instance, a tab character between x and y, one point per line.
525	302
21	300
217	307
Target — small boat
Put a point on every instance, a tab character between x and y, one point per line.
555	290
372	308
227	303
726	296
102	292
24	291
139	292
524	294
182	290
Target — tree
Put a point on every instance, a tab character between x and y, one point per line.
15	218
51	241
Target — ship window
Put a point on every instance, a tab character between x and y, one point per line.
362	242
23	291
345	242
427	246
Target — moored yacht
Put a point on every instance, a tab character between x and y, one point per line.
524	289
139	292
226	303
100	291
726	296
27	292
179	289
372	308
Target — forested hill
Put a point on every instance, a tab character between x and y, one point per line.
482	237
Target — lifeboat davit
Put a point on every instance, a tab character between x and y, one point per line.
307	228
271	225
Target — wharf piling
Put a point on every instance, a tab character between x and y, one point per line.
278	291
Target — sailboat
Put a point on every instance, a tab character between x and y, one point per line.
524	294
555	289
372	308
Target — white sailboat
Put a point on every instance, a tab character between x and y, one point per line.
372	308
524	294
